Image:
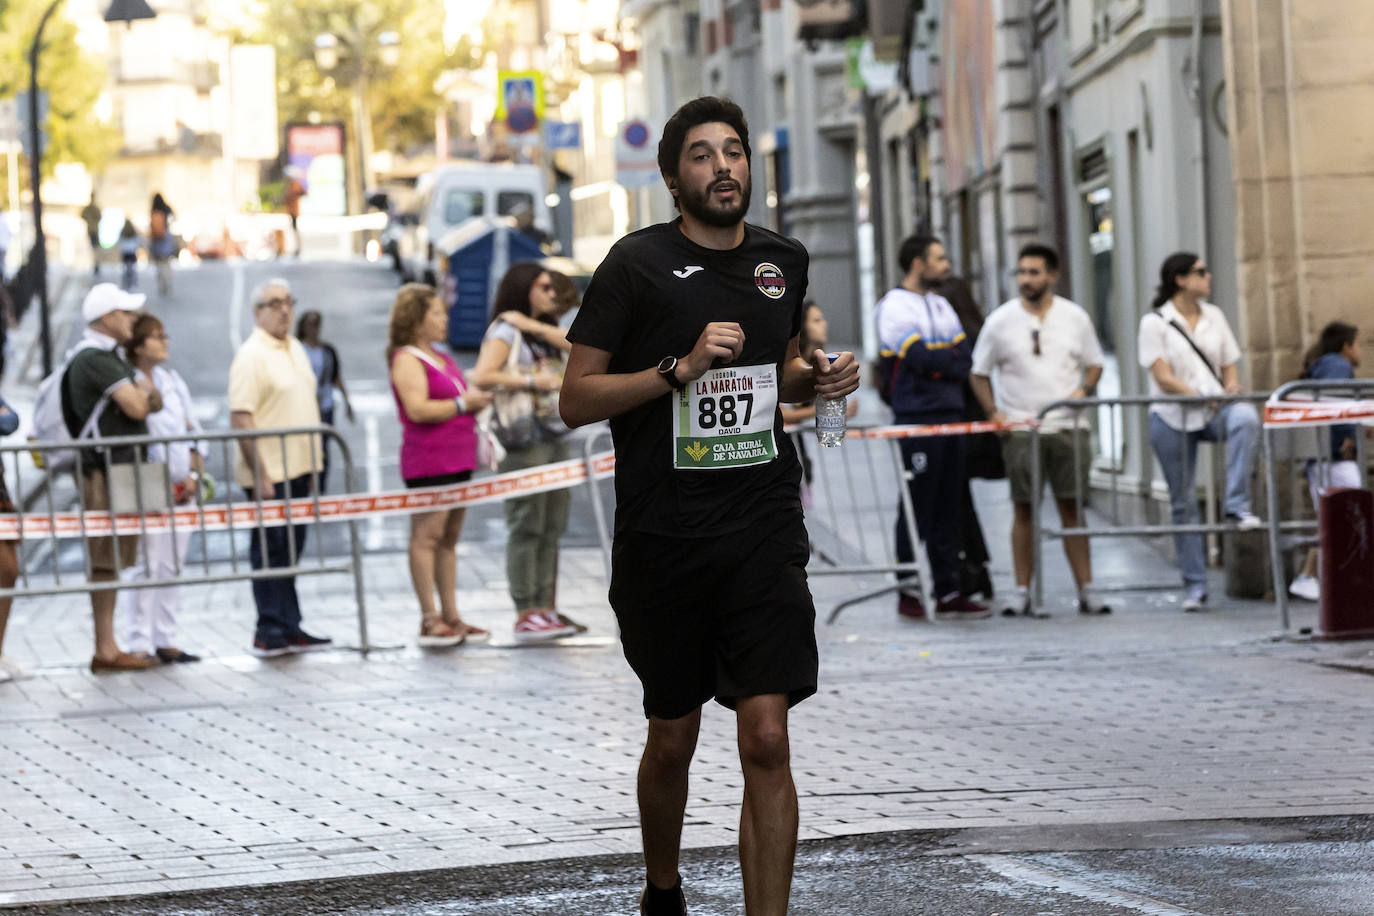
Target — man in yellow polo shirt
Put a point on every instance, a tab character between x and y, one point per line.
271	386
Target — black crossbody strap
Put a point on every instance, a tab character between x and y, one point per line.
1196	349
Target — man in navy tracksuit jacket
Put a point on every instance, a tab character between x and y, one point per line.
919	327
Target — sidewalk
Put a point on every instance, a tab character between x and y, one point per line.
239	772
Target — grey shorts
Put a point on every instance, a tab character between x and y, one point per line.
1056	463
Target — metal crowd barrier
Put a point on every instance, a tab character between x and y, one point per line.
603	529
851	509
30	529
1307	404
852	516
1140	487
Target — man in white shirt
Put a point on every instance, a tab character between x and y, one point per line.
1042	348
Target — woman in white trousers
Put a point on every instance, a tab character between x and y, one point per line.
150	613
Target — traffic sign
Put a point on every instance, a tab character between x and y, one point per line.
636	155
563	134
21	102
25	138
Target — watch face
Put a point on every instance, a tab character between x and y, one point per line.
668	364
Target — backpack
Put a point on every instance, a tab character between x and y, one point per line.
49	421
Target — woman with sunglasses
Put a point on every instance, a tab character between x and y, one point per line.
1187	347
524	350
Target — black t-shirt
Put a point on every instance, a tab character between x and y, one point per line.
652	297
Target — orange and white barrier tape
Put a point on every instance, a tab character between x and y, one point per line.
935	429
348	507
968	428
1316	413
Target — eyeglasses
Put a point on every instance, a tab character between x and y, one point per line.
277	303
1200	272
1035	341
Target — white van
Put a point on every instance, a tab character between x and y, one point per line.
452	194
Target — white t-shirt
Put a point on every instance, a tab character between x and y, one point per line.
1157	340
1024	383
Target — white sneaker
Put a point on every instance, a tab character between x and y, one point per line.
1245	521
1090	603
1194	598
1307	588
541	627
10	670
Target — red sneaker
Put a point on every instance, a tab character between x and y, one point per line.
541	627
959	606
910	606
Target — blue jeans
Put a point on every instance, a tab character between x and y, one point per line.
279	611
1236	424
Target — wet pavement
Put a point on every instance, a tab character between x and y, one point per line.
1307	866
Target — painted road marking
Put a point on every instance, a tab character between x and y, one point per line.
1030	873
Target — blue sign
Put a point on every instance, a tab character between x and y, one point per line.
563	134
636	134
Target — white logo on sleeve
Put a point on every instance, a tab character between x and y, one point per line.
687	271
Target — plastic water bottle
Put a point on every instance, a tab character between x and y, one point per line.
830	417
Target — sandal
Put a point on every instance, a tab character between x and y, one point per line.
470	632
435	634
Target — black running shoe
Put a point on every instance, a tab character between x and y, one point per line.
654	901
303	642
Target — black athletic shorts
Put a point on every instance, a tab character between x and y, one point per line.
723	617
439	480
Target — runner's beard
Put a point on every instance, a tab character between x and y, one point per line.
702	208
1032	293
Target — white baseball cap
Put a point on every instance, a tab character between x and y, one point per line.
105	298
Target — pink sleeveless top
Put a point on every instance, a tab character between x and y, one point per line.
432	449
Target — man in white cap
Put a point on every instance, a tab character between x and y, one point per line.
99	378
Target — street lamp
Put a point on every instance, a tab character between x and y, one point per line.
125	11
333	52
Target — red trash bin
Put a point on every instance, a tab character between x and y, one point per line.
1346	558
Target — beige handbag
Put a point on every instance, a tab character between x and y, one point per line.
138	487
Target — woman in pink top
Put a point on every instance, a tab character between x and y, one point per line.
438	447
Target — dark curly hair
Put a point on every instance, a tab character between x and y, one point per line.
708	109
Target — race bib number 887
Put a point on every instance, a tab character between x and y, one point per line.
725	419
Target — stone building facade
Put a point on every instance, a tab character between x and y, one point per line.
1300	86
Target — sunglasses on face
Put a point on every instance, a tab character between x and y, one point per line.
544	287
1200	272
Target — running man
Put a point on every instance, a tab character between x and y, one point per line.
687	342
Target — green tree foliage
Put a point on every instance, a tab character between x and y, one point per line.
402	99
73	78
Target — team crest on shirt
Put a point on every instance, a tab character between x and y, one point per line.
770	280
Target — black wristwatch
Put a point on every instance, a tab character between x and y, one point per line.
667	368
